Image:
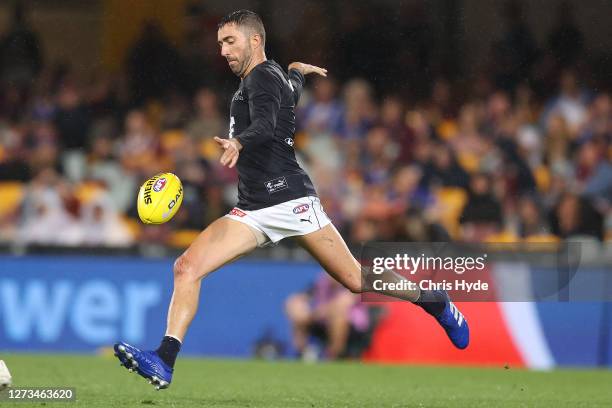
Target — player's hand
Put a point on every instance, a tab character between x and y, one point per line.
232	151
306	69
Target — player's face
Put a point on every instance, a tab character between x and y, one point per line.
235	48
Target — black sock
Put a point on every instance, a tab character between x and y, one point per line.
168	350
433	301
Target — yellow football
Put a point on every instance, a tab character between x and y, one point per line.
159	198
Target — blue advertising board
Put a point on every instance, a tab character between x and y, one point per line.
78	304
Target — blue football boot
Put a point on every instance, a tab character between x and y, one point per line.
454	324
146	363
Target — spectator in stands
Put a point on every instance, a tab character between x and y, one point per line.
482	214
140	145
207	121
21	58
416	227
102	225
566	41
515	53
571	103
517	174
72	118
104	97
153	64
446	171
46	218
528	137
330	312
365	156
594	172
531	220
557	140
360	110
440	106
194	173
323	114
468	141
175	111
392	118
103	166
406	191
44	151
378	155
13	153
599	123
587	158
575	217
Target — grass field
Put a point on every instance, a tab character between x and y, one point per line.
100	382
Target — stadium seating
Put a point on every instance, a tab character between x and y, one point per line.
182	238
87	191
452	200
11	194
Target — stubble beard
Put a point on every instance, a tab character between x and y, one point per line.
241	69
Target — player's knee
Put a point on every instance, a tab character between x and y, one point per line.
184	269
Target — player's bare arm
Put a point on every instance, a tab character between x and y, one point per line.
306	69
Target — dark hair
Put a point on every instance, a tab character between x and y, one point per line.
245	18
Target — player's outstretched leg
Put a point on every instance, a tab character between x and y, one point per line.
220	243
329	249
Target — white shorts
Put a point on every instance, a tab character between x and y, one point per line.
291	218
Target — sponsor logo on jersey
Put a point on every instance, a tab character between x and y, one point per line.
160	184
302	208
238	96
276	184
237	212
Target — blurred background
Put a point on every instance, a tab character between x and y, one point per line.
489	120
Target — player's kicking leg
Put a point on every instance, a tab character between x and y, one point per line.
220	243
328	248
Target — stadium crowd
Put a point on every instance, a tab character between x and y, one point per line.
519	149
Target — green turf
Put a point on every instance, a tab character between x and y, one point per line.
100	382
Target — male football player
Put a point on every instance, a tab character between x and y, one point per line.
276	200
